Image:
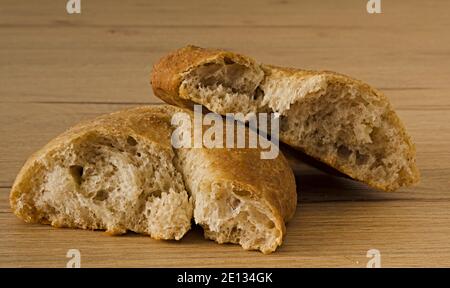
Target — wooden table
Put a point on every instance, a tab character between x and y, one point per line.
57	69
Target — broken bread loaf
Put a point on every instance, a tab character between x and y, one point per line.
114	173
119	172
239	198
337	120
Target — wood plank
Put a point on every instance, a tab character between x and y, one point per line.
109	57
339	236
349	13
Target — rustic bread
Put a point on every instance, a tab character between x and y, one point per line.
119	172
238	197
114	173
338	120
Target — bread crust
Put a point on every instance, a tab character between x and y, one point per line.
338	78
168	72
270	182
177	63
133	121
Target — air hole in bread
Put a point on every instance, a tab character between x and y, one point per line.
241	192
270	224
156	193
131	141
101	195
234	203
259	94
76	171
228	61
343	152
361	159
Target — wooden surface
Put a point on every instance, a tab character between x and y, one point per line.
56	69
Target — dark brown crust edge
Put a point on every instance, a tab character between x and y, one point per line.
167	74
167	77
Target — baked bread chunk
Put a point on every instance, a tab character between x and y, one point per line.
239	198
120	172
331	117
114	173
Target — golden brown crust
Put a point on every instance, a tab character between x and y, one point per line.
151	123
189	57
167	73
331	77
270	181
344	80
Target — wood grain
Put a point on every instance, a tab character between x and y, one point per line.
336	234
57	69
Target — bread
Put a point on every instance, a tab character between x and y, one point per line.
120	173
331	117
238	197
114	173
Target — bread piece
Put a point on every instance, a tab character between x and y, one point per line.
338	120
238	197
120	172
114	173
